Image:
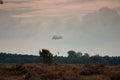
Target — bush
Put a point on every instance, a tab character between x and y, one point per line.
70	75
17	69
115	75
1	78
50	76
28	76
90	69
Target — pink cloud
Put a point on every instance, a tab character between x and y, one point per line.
60	7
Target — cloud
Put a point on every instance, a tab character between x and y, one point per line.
17	1
6	22
58	7
11	27
63	14
84	25
101	26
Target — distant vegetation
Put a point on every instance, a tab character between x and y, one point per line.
18	58
59	72
72	58
46	56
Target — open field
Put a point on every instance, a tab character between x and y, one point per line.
59	72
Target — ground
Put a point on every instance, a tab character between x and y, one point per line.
59	72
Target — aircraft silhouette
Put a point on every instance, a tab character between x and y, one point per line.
56	37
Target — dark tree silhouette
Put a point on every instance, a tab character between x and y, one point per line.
46	56
72	54
86	55
79	54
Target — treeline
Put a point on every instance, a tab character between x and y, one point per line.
93	59
72	58
80	58
17	58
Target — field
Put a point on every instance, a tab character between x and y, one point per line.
59	72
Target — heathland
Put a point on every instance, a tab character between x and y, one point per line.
59	72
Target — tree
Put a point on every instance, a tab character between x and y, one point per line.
86	55
46	56
72	54
79	54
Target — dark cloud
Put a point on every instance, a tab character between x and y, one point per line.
1	2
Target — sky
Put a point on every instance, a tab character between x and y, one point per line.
87	26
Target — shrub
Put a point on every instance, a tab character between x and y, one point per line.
70	75
103	77
17	69
94	78
50	76
115	75
1	78
113	72
28	76
90	69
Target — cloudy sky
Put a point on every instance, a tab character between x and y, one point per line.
88	26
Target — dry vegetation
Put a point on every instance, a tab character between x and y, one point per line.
58	72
